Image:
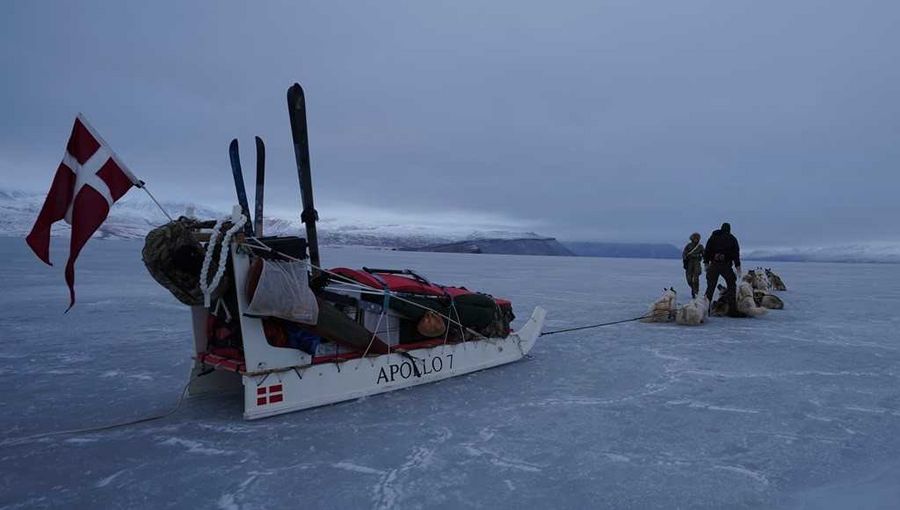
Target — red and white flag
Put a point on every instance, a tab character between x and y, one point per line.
89	180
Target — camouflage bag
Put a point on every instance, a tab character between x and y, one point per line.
174	256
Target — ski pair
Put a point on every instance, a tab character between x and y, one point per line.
297	113
256	228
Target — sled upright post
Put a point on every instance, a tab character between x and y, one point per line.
309	216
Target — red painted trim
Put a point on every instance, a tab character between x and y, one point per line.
221	363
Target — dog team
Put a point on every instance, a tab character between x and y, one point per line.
721	258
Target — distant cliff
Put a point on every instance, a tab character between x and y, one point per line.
624	250
520	246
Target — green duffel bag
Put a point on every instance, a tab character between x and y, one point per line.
476	311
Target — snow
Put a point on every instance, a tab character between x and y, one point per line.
796	409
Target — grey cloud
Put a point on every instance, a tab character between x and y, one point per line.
593	120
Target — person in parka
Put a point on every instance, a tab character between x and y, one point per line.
691	258
722	251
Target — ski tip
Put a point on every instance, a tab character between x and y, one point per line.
295	93
259	141
233	145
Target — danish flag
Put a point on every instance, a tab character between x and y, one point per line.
269	394
89	180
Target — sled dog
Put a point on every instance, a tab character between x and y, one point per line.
664	309
719	307
694	312
768	300
745	302
756	279
774	280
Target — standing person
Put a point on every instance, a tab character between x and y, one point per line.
691	257
722	251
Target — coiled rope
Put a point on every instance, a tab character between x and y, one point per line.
208	287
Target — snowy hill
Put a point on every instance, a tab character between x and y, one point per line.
875	252
533	245
135	215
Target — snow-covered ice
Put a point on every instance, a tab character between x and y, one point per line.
796	409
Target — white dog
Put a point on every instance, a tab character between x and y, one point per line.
694	313
760	282
757	279
745	301
663	310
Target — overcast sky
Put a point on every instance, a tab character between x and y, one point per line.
596	120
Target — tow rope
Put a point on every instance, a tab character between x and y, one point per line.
19	440
593	326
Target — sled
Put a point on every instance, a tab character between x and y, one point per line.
276	380
369	346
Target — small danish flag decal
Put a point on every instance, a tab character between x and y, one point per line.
269	394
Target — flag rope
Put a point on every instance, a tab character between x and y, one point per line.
143	185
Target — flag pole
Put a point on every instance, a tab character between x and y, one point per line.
141	184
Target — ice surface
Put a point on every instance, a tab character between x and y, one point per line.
797	409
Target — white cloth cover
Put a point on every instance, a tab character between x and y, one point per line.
283	291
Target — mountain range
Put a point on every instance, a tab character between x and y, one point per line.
134	215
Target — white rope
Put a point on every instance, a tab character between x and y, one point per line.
374	333
207	260
220	305
206	287
372	292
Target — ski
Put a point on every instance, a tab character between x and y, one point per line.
297	112
239	183
260	182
